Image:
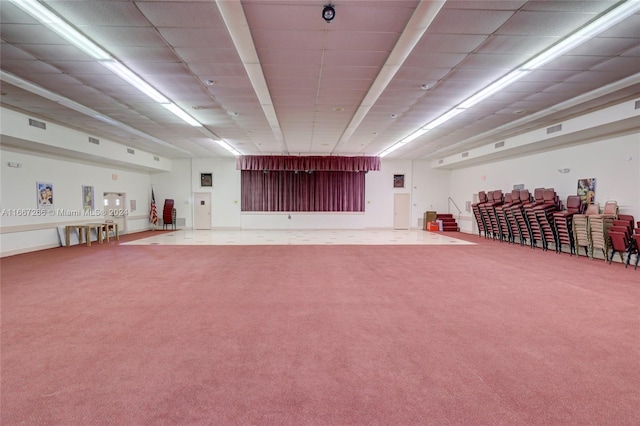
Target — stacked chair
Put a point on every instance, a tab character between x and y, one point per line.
515	218
600	225
168	214
527	218
582	230
482	198
487	211
541	219
563	221
502	212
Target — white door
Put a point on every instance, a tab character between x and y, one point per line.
202	210
401	211
114	209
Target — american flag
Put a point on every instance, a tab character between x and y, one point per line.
153	214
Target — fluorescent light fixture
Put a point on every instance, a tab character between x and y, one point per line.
444	117
60	27
183	115
606	21
585	33
227	147
128	75
413	136
493	88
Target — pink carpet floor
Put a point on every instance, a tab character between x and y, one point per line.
493	334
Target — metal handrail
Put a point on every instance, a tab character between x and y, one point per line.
449	202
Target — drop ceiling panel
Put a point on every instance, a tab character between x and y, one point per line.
181	14
311	68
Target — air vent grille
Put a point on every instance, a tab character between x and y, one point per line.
554	129
465	154
440	161
156	158
499	145
94	140
131	151
38	124
637	105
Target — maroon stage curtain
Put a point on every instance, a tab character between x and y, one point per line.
313	163
276	191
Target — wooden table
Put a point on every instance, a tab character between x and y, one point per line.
82	228
84	231
109	226
100	228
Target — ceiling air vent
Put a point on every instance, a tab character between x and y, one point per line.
637	105
156	158
130	151
38	124
499	145
440	161
94	141
465	154
554	129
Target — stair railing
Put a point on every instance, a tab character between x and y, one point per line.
449	202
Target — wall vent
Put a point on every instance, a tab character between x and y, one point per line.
499	145
38	124
465	154
440	161
130	151
156	158
637	105
554	129
94	140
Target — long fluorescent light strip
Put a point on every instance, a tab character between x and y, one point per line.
56	24
587	32
183	115
127	75
227	147
59	26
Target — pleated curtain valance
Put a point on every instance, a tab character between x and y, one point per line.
310	163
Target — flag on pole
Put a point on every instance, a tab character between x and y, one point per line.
153	214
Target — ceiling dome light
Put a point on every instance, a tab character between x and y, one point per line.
328	13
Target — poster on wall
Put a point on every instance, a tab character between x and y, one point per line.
45	195
398	181
587	190
87	197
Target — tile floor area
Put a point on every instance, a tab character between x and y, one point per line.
300	237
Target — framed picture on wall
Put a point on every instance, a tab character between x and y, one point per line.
206	179
44	194
87	198
398	181
587	190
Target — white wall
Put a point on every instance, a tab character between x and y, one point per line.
614	162
27	230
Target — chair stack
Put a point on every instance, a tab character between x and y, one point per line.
582	229
515	218
487	210
564	223
600	225
528	217
482	198
168	214
501	211
542	225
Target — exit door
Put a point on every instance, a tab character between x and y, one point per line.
202	210
114	209
401	211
